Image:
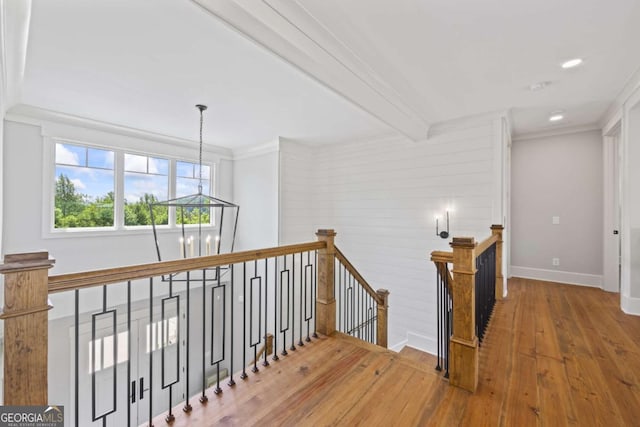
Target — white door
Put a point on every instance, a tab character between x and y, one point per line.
152	344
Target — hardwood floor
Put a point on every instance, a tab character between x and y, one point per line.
554	355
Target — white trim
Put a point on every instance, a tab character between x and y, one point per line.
256	150
556	132
571	278
617	105
29	114
399	346
630	305
466	122
417	341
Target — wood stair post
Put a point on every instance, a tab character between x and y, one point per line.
26	327
383	305
497	230
326	301
463	345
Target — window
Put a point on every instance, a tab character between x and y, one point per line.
99	189
84	190
104	351
161	334
187	181
146	180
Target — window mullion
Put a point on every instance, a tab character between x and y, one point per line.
119	190
172	190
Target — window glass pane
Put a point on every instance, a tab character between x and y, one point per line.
100	158
185	169
146	180
84	195
134	163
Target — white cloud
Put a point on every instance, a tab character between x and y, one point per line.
77	182
64	156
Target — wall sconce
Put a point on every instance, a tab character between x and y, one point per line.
443	234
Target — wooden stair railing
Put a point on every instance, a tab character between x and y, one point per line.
27	286
465	258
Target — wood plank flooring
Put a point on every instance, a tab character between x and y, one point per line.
554	355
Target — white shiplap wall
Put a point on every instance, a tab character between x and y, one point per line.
381	197
296	193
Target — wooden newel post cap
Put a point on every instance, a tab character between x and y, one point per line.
497	228
463	242
27	261
326	232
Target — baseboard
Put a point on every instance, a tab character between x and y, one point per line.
592	280
630	305
421	342
399	346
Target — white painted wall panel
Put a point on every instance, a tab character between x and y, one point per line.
381	198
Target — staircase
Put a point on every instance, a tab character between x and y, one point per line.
335	380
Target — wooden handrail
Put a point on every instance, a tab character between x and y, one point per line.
442	256
72	281
485	244
352	270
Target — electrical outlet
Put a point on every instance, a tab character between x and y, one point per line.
555	262
241	298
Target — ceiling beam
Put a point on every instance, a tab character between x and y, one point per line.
286	29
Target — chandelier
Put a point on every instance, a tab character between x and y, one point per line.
207	224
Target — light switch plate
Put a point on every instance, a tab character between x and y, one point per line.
555	220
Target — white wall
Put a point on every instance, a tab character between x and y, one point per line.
297	174
255	178
381	198
558	176
633	200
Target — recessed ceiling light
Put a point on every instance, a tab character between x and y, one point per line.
571	63
556	116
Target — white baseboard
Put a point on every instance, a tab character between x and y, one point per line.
592	280
399	346
417	341
630	305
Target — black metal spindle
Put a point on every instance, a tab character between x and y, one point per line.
203	395
275	309
314	294
438	316
76	339
150	352
231	382
293	303
129	391
187	406
283	329
265	362
300	312
244	321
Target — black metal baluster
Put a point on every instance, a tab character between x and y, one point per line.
76	339
308	296
203	396
293	302
164	343
275	309
265	362
150	353
187	406
219	287
315	295
244	321
438	316
231	382
251	313
284	330
302	292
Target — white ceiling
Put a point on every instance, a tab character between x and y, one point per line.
145	63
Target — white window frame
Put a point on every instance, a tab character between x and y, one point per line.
49	181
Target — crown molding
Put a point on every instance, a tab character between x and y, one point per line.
15	17
466	122
632	84
256	150
557	132
30	114
292	33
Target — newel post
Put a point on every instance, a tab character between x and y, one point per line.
381	327
26	327
497	230
463	346
326	301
